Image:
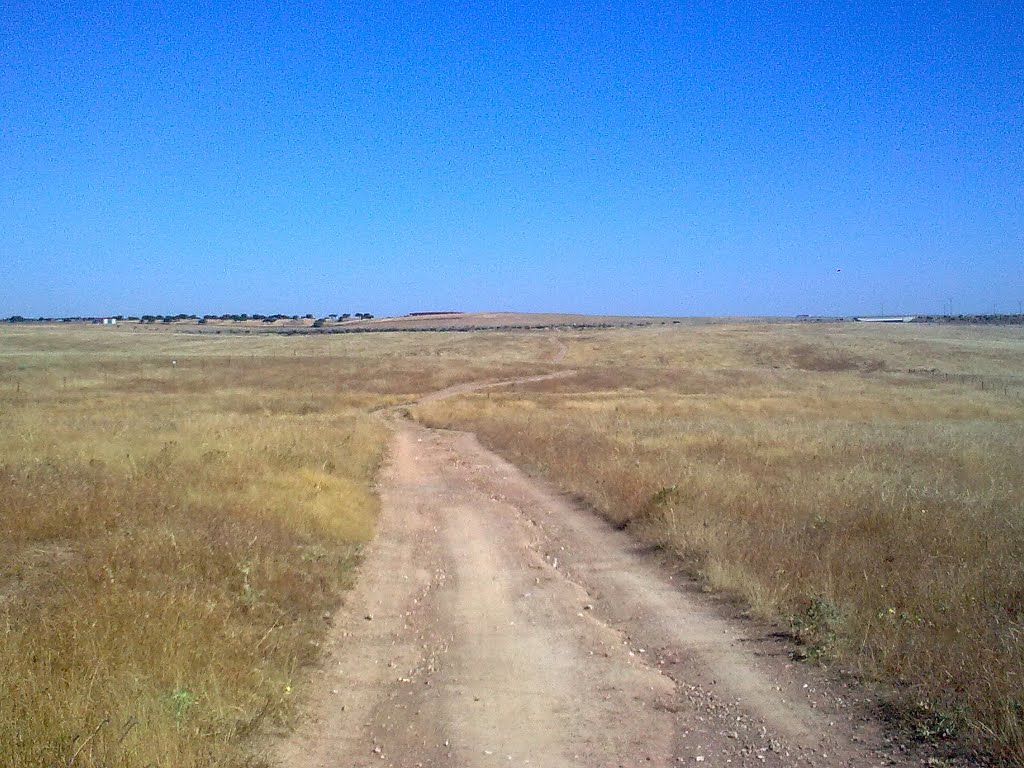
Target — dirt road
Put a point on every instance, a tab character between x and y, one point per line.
494	623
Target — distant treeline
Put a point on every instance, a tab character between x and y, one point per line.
200	319
993	319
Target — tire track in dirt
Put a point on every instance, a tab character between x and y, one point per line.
495	623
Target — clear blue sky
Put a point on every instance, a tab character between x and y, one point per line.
627	157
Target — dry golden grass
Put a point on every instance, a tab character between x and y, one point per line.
172	534
856	480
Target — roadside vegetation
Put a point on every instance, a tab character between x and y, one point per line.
863	483
178	514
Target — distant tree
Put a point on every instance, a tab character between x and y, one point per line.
345	316
309	316
201	320
319	322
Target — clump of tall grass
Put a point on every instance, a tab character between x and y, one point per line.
158	612
880	511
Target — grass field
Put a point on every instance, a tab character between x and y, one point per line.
177	514
864	483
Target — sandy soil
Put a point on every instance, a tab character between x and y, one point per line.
495	623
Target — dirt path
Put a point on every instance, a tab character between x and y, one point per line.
560	350
494	623
461	389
